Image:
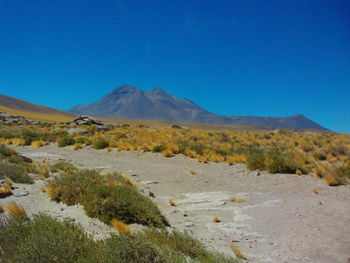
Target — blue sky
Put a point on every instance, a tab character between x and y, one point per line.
261	58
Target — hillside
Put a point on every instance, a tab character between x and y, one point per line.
132	103
32	111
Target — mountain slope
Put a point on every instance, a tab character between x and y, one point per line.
132	103
33	111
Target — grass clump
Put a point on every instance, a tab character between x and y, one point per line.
105	197
5	152
15	172
45	239
256	161
121	227
62	166
65	141
100	143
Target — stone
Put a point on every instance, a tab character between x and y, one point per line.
21	193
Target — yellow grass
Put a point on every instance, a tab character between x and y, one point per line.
2	209
332	181
237	199
36	116
192	172
167	153
237	252
237	158
77	146
315	191
44	172
38	144
172	203
120	226
43	189
14	209
216	219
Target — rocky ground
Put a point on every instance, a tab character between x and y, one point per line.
282	219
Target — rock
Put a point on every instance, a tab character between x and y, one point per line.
76	130
21	193
188	224
84	120
151	194
25	159
102	128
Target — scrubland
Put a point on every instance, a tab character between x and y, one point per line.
325	155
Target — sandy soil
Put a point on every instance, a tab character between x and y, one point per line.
282	220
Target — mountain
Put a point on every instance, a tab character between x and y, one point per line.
29	110
133	103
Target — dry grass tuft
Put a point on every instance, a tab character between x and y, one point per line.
332	181
44	172
43	189
192	172
77	146
216	219
315	191
236	159
237	199
14	209
38	144
167	153
237	252
298	172
2	209
172	203
120	226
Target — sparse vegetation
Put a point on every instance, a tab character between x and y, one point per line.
100	143
44	239
15	172
65	141
106	197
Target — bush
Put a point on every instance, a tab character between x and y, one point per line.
62	166
123	203
66	141
281	164
4	152
256	161
15	172
105	197
159	148
100	143
45	239
30	136
83	140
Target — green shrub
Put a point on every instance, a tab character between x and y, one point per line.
66	141
15	172
123	203
62	166
105	197
100	143
282	164
45	239
83	140
159	148
30	136
256	161
184	244
7	134
131	248
342	173
5	152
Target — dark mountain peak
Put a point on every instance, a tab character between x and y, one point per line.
158	91
124	89
130	102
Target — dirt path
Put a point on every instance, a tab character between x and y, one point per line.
282	220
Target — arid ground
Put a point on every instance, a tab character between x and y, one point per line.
284	218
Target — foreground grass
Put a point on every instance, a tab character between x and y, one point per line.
44	239
106	197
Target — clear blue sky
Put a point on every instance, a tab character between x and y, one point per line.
262	57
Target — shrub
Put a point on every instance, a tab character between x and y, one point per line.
123	203
83	140
159	148
15	172
63	166
5	152
100	143
30	136
120	226
66	141
45	239
281	164
13	208
256	161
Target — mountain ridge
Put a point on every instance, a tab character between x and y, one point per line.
157	104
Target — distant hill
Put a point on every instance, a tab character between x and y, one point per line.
33	111
133	103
